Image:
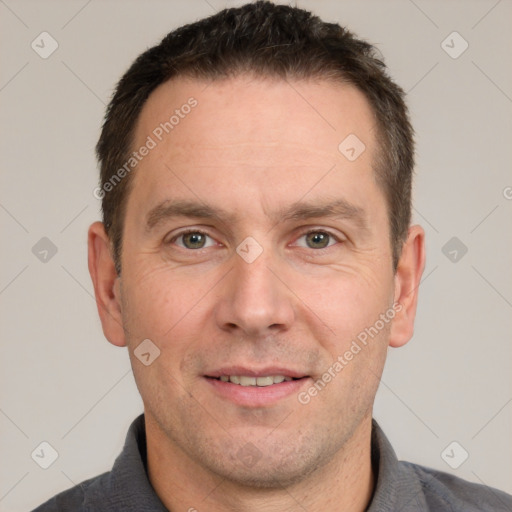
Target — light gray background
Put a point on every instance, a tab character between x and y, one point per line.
63	383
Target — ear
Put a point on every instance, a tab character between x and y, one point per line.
106	284
407	280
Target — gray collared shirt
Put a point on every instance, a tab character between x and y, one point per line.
401	486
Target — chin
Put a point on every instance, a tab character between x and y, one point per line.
270	466
267	476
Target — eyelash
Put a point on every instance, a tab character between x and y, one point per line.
186	232
201	232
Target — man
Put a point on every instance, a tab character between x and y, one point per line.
257	259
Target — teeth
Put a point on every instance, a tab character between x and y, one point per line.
265	381
245	380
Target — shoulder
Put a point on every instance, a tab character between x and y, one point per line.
411	487
444	491
75	498
125	487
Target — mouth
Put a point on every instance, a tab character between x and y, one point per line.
255	388
248	380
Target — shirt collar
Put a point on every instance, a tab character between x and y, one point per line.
397	485
398	488
127	486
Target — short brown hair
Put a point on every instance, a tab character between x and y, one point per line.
266	40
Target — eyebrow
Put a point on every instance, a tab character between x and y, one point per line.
300	210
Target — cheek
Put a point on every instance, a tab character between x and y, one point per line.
165	309
156	303
347	302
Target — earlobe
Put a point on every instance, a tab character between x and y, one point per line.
407	280
106	284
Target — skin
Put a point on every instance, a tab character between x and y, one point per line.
253	147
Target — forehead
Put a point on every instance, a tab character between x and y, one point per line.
246	109
273	137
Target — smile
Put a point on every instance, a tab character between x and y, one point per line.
247	380
255	388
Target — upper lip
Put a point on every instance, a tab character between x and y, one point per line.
253	372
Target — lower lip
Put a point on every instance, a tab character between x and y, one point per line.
256	396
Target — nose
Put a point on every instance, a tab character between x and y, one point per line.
254	299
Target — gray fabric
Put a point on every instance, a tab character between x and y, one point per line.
401	486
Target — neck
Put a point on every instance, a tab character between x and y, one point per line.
346	482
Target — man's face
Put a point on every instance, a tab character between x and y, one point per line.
256	152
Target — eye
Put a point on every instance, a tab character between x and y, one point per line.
318	239
192	239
